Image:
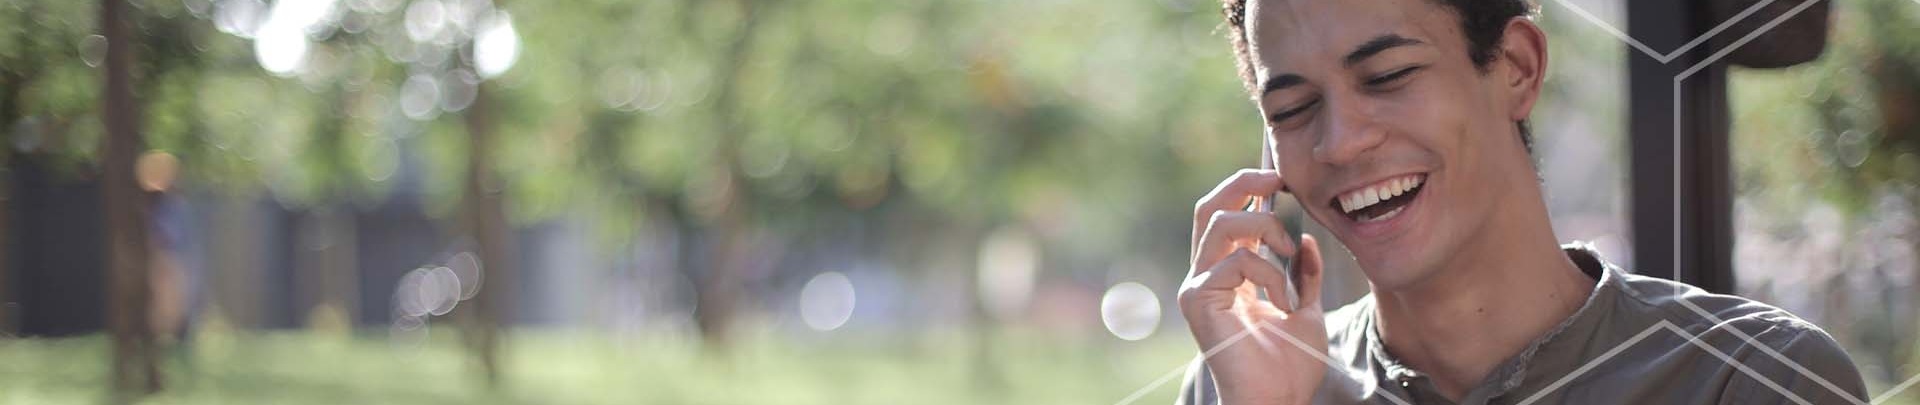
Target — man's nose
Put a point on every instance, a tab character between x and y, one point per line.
1352	130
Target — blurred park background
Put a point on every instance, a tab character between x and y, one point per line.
764	201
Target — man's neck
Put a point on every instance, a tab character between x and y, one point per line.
1488	303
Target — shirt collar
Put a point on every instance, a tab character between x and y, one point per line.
1538	357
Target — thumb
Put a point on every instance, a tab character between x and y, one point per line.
1311	269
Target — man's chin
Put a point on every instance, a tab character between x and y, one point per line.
1395	273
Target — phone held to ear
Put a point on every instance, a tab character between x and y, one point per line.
1265	204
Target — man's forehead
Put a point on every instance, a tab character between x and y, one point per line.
1325	29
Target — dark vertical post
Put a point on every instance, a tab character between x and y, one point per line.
1703	248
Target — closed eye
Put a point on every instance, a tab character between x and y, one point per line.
1391	77
1291	112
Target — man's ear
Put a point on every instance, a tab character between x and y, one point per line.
1523	59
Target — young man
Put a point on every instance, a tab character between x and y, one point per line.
1400	125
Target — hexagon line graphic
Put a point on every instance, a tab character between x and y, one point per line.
1235	339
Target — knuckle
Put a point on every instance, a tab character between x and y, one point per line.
1248	174
1237	258
1189	290
1243	173
1218	217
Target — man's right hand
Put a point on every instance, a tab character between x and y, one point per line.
1220	298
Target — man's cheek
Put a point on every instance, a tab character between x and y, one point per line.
1422	109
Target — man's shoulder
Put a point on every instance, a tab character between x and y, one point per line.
1696	310
1793	355
1638	301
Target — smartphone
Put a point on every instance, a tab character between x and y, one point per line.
1265	204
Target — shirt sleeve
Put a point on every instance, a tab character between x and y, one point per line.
1806	363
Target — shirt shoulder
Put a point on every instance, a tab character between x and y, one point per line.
1769	354
1697	311
1791	365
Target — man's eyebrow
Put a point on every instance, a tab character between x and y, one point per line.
1276	83
1376	45
1366	50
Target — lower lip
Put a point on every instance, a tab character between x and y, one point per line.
1382	229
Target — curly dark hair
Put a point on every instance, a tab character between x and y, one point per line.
1482	21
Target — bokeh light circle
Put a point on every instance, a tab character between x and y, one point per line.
1130	310
827	301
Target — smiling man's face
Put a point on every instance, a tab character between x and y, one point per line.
1385	129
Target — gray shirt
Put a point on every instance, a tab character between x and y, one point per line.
1635	341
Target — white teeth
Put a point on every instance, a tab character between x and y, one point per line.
1382	191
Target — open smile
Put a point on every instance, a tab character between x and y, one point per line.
1381	201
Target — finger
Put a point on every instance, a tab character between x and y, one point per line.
1227	230
1311	269
1237	269
1233	194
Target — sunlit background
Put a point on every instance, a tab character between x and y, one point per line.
785	202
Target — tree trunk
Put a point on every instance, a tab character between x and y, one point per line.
486	223
135	365
720	288
11	81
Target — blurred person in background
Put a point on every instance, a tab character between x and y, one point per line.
1401	126
174	283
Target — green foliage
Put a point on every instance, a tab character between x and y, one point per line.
975	113
46	89
1841	127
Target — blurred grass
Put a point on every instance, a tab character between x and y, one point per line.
559	367
579	367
